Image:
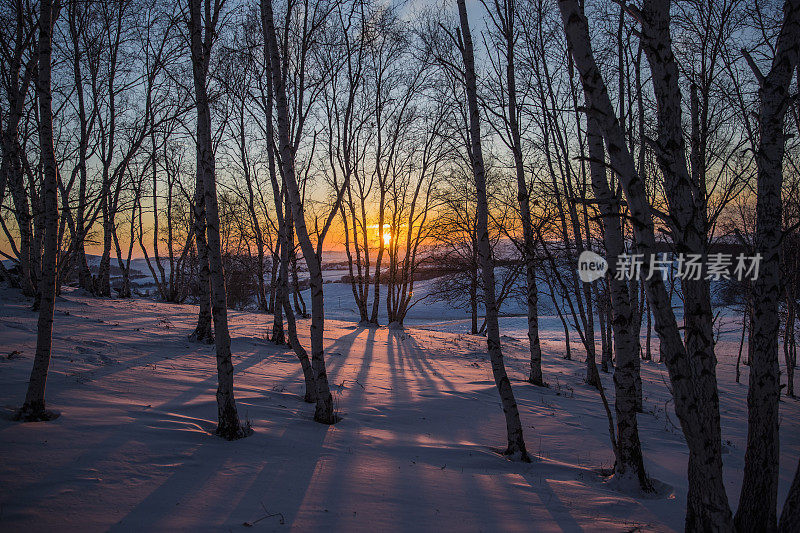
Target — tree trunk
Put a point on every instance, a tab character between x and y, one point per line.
324	412
34	406
707	501
648	353
758	499
376	298
282	211
523	197
103	281
789	347
228	426
605	349
310	395
473	302
516	442
203	332
745	315
626	336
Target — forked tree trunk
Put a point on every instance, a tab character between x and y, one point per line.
626	336
228	425
686	197
516	442
324	412
759	496
707	501
506	17
34	406
310	395
281	291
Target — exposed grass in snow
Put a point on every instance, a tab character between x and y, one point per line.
415	450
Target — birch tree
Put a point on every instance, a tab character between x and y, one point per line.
18	70
202	29
758	499
516	443
503	17
34	407
324	411
707	502
629	460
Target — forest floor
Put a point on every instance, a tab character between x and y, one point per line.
415	451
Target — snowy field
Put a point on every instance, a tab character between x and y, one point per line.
416	450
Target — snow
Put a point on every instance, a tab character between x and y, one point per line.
416	449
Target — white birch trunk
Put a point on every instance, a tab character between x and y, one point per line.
203	332
34	406
324	412
708	507
516	442
758	500
523	197
626	336
228	426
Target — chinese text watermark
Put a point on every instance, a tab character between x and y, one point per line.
716	267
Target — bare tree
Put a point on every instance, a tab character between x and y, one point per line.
503	18
34	406
19	57
695	401
347	112
412	203
324	412
202	28
758	499
626	335
516	442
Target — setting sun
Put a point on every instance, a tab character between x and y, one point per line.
387	238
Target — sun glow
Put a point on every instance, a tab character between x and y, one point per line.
387	238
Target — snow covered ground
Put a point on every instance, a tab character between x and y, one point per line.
415	451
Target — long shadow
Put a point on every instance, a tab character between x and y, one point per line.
163	503
67	473
415	352
281	486
352	400
342	347
150	357
425	382
552	503
208	384
212	472
357	390
270	487
397	367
